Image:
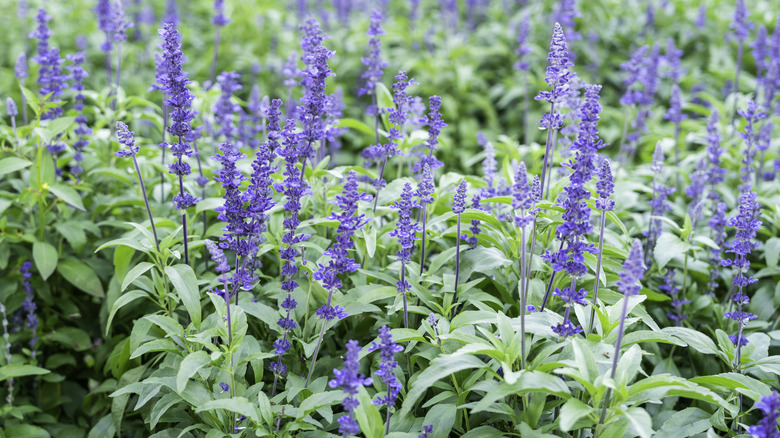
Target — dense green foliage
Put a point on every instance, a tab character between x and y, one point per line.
133	342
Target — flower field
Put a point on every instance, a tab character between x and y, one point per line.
400	218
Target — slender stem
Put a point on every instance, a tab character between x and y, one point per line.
523	297
381	175
216	53
549	284
457	265
118	70
550	164
526	110
24	103
736	83
230	352
532	248
403	286
146	202
16	135
677	153
387	416
316	352
547	150
759	172
625	129
615	359
164	129
108	66
598	271
422	243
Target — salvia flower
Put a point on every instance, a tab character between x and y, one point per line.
171	13
10	107
105	23
340	261
29	305
741	25
224	110
387	351
475	224
179	102
605	186
20	68
350	380
559	74
770	410
714	151
659	204
314	100
406	229
426	430
219	19
523	48
78	74
674	70
50	76
427	186
523	199
459	201
120	23
374	63
126	138
701	17
570	296
674	114
669	286
753	114
717	224
576	218
218	257
232	212
489	169
294	188
435	125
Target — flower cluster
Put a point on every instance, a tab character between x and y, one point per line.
224	110
179	101
50	76
374	64
577	215
406	230
523	48
340	262
641	86
669	286
605	187
10	107
315	57
350	381
633	271
753	114
105	23
29	305
659	204
294	188
126	138
77	73
387	350
435	125
570	296
475	224
459	201
741	25
770	408
119	24
523	199
559	74
219	19
674	114
673	70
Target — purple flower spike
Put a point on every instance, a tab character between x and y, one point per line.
350	381
50	76
224	110
126	138
741	24
10	107
523	198
374	63
559	74
605	187
435	125
29	305
387	351
523	48
219	19
770	410
427	429
20	68
459	202
406	229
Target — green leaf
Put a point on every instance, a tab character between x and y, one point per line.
640	421
355	124
60	125
122	301
45	257
571	412
685	423
12	164
651	336
772	251
32	99
370	420
82	276
189	366
319	400
134	273
25	431
20	370
239	405
482	259
695	339
69	195
442	417
527	381
186	284
668	247
370	238
440	367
